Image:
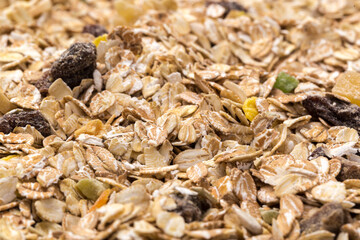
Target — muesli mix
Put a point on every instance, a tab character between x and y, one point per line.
176	119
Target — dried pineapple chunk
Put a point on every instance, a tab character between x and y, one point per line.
102	38
250	109
348	85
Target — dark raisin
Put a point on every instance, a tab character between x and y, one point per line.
349	170
318	152
44	83
333	110
76	63
190	207
95	29
5	126
228	5
20	119
329	217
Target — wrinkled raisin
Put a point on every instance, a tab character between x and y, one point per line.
95	30
329	217
20	119
228	5
44	83
76	63
190	207
5	126
349	170
333	110
318	152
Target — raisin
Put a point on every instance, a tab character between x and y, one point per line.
349	170
20	119
95	29
318	152
44	83
329	217
190	207
333	110
5	126
228	5
76	63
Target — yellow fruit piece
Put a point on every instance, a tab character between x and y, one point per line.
236	14
250	109
348	85
102	200
7	158
102	38
93	127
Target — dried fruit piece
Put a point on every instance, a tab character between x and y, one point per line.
7	158
99	39
318	152
269	215
348	85
349	170
51	209
95	29
329	217
250	109
286	82
76	63
333	110
190	207
102	200
90	188
22	118
43	83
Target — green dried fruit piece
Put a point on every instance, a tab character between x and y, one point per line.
91	188
268	215
286	82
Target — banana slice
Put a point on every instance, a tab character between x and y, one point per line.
51	210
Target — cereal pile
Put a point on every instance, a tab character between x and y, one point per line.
176	119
